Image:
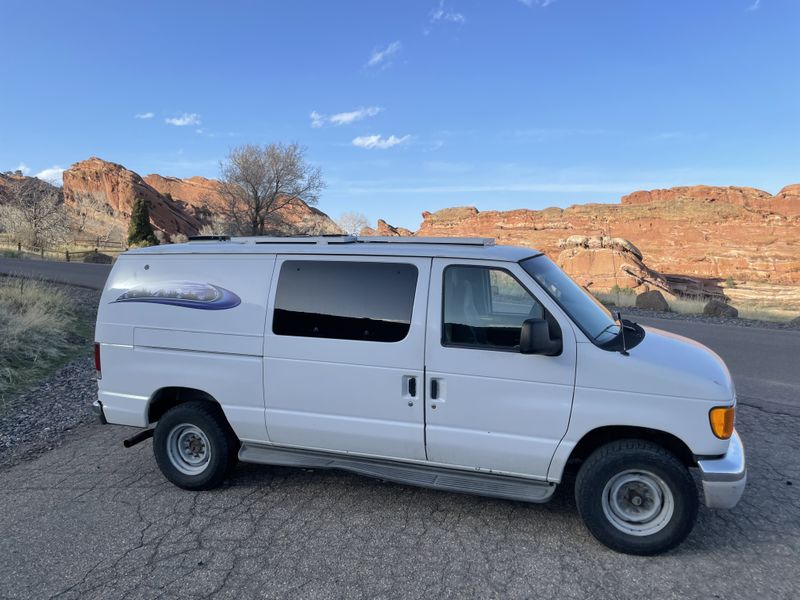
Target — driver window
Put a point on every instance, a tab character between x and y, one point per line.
485	307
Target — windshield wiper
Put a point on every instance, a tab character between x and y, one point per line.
609	326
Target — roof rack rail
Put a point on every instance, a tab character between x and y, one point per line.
209	238
297	239
454	241
348	239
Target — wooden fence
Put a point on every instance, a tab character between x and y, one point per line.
76	251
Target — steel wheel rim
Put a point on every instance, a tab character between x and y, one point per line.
638	502
188	449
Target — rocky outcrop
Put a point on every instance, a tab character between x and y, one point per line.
702	233
383	229
204	197
716	308
99	182
100	194
652	300
603	262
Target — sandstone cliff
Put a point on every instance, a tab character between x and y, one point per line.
94	183
701	232
205	198
101	195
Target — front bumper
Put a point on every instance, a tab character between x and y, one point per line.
724	478
97	408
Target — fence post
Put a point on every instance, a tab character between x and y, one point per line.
67	254
19	246
41	252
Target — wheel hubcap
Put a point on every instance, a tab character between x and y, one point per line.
188	449
638	502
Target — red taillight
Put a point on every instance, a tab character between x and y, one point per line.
97	360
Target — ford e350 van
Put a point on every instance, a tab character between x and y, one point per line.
454	364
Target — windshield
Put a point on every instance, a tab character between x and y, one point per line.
594	319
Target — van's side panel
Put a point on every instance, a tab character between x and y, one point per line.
349	395
150	339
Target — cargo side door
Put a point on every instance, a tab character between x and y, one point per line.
344	354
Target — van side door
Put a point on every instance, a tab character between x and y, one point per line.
488	406
344	354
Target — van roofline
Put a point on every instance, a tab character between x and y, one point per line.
434	247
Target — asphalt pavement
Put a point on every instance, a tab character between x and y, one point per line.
82	274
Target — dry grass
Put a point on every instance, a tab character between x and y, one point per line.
753	310
619	297
38	322
687	306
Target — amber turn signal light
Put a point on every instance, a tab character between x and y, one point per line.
721	419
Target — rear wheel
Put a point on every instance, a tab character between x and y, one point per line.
636	497
194	446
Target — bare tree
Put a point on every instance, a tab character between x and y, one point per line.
352	222
33	212
258	181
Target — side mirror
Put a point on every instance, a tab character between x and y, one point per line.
534	338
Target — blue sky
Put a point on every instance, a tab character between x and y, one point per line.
418	104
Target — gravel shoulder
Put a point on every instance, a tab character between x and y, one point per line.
36	419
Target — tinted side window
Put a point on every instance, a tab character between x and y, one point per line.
345	300
485	307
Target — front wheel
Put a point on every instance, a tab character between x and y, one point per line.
636	497
194	446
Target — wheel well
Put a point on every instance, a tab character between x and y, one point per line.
603	435
169	397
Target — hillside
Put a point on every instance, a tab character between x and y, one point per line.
685	240
100	194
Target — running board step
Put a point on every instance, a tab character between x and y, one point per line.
452	480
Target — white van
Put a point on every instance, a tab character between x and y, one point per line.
450	363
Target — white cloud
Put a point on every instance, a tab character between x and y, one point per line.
344	118
379	142
384	56
51	175
542	3
144	116
23	168
449	16
754	5
183	120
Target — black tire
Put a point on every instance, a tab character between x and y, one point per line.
190	425
636	468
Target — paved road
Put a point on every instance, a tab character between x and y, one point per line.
82	274
92	520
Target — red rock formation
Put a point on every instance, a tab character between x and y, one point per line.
696	232
107	190
602	262
96	180
205	198
385	230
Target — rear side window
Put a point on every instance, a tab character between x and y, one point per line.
364	301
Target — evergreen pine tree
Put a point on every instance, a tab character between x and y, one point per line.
140	231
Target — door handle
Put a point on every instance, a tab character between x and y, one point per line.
412	387
434	389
